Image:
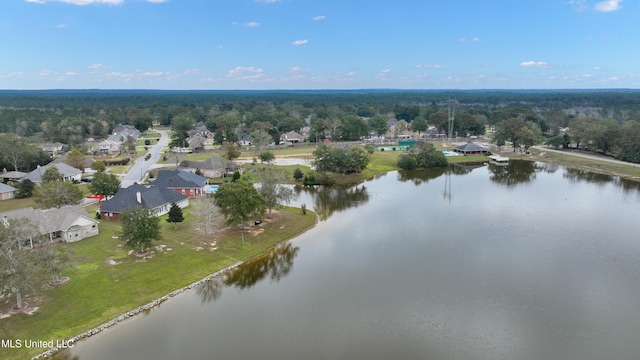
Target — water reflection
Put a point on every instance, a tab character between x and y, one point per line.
275	264
576	175
421	176
329	199
515	173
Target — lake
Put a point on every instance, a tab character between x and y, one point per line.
525	261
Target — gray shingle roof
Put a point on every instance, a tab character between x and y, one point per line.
212	163
470	147
65	170
4	188
151	197
179	179
50	220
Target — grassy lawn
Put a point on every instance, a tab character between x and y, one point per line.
99	291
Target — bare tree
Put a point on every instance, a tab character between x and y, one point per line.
208	218
272	188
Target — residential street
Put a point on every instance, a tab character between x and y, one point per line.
592	157
141	166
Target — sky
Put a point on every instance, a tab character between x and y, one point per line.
319	44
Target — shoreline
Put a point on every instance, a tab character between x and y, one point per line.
157	302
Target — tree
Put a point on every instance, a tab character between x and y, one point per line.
422	156
297	174
20	268
272	188
231	150
139	228
419	124
105	184
266	157
16	153
98	166
240	201
175	215
207	217
51	174
24	189
75	158
379	125
261	139
57	194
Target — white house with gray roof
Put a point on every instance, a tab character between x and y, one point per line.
69	173
67	224
6	191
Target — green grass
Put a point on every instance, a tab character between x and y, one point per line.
13	204
99	292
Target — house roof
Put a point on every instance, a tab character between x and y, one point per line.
212	163
51	220
65	170
13	175
150	198
4	188
179	179
470	147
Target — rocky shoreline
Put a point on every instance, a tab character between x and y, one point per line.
131	313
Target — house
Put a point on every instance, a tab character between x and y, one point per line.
67	224
291	137
12	175
213	167
108	147
201	130
471	149
69	173
124	131
54	149
6	191
182	182
196	142
157	199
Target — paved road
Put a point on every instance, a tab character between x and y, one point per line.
598	158
141	166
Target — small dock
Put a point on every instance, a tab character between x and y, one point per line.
498	160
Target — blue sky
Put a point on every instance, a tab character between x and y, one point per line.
319	44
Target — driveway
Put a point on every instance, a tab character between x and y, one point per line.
141	166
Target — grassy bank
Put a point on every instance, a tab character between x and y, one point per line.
106	281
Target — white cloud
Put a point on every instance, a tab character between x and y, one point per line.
251	24
385	71
61	26
300	42
157	1
475	39
267	1
246	73
71	73
608	5
82	2
350	73
532	64
596	68
95	66
578	5
429	66
296	69
319	17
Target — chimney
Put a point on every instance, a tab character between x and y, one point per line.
138	197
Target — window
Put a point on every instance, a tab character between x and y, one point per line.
183	191
191	191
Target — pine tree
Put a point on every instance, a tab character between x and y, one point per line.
175	215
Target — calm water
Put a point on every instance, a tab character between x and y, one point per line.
529	261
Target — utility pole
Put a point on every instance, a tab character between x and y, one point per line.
452	114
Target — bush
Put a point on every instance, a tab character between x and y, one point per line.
297	174
117	162
407	162
147	142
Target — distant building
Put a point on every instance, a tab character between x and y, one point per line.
54	149
182	182
69	173
291	137
157	199
471	149
213	167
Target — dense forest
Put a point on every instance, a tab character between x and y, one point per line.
605	121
